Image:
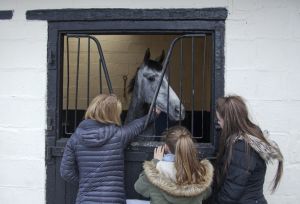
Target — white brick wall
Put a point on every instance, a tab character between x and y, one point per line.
262	42
262	64
22	107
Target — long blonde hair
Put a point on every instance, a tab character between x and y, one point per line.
105	108
187	164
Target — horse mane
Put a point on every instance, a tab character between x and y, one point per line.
154	65
132	82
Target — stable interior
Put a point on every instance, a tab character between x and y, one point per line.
123	55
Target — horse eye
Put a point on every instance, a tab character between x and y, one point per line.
151	78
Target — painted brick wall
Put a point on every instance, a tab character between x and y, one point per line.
262	64
262	38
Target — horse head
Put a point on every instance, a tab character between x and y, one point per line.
147	79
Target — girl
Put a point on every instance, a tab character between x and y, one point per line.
93	156
178	176
243	154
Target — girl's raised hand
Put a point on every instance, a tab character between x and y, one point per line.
159	152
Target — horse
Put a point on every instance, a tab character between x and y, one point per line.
142	87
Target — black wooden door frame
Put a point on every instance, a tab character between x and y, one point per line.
6	14
120	21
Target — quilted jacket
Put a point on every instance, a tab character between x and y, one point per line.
94	159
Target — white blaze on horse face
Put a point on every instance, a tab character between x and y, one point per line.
149	82
173	101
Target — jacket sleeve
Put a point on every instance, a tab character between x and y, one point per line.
68	166
142	185
240	168
134	128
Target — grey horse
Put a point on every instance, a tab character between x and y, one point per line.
143	86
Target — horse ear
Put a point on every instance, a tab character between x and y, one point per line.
147	55
162	57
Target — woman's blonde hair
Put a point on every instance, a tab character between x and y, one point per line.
105	108
189	170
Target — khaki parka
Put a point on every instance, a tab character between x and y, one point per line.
161	189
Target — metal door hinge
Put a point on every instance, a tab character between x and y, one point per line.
51	57
53	151
49	124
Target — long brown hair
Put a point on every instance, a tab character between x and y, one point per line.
187	164
105	108
233	110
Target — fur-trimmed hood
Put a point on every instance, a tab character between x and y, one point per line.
170	187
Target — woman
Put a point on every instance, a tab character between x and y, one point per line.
243	154
177	177
94	157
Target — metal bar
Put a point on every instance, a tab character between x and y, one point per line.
76	87
103	64
193	87
88	75
106	74
100	76
154	124
165	64
181	77
68	86
202	91
168	98
101	57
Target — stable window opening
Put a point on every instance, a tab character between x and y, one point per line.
188	79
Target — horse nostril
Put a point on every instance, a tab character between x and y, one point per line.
177	109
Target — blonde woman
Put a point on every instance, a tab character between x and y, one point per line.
93	156
178	176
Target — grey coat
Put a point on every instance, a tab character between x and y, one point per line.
94	158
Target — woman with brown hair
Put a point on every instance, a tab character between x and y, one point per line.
243	153
94	154
177	176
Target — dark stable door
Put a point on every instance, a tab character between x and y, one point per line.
59	191
61	124
106	21
65	193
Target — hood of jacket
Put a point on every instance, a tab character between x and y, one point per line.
172	189
94	134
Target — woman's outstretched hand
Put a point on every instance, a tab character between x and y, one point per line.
159	152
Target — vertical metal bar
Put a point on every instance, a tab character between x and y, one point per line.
100	76
202	91
88	74
154	124
76	87
68	86
101	57
181	77
193	88
104	66
168	97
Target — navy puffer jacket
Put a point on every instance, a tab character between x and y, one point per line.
245	177
94	158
